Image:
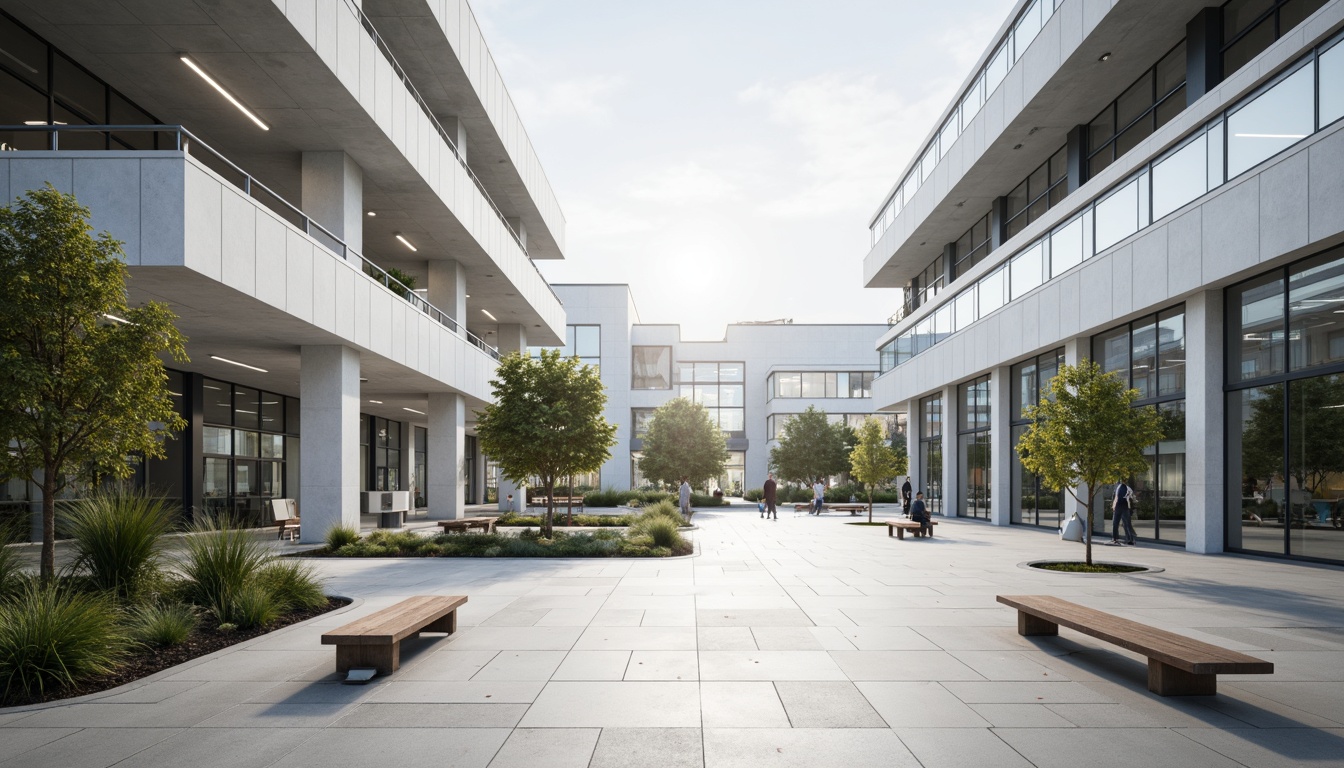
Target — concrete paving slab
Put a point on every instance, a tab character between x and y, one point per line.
402	747
551	747
742	705
520	665
88	748
663	665
966	748
432	716
649	748
1110	748
769	665
1273	748
219	748
804	747
615	705
919	705
636	639
827	705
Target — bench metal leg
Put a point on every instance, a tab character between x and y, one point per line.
1031	626
1166	680
384	658
900	533
446	624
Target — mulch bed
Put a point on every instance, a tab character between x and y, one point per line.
204	640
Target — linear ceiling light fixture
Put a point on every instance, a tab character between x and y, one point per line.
412	410
407	243
240	365
116	319
492	317
235	102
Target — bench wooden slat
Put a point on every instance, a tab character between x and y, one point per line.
395	623
1185	653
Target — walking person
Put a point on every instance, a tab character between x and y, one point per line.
906	496
768	495
1122	510
684	496
920	514
818	496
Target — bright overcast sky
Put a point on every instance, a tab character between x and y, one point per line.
724	156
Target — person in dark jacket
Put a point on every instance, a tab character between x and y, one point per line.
906	492
768	494
920	514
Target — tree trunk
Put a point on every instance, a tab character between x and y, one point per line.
548	521
569	500
1087	534
870	506
48	569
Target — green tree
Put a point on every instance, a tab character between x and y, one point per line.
1087	433
546	422
682	441
873	462
812	447
83	386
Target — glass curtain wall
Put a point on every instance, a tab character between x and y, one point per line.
243	443
1249	26
386	454
1034	503
973	451
1149	355
720	388
420	469
1285	411
931	451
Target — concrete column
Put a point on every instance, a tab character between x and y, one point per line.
1205	493
916	469
407	452
457	131
447	441
951	460
512	338
479	465
521	229
333	195
448	289
329	412
1001	446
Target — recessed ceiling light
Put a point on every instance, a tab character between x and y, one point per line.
1105	56
492	317
407	243
412	410
362	379
235	102
240	365
468	295
1017	146
373	213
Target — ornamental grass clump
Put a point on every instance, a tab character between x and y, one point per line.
221	560
661	531
341	535
161	625
53	636
294	584
254	606
117	538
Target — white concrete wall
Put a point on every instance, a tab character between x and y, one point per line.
354	58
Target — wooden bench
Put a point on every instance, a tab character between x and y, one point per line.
375	640
1177	665
561	502
852	509
285	512
901	526
465	524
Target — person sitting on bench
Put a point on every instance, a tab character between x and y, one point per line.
920	514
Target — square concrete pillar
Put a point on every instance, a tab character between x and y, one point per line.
915	472
951	504
445	455
457	131
447	289
1205	494
512	337
333	195
329	413
1001	446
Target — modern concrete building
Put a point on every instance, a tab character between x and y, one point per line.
266	164
1155	185
752	381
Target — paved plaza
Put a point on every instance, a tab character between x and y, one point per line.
801	642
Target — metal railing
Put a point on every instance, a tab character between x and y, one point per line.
186	142
386	50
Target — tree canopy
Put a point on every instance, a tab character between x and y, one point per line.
1086	432
83	386
546	421
812	447
682	441
873	462
1316	423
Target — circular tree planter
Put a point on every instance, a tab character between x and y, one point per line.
1098	568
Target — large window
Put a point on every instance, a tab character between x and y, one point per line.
1149	355
651	368
820	384
1146	105
386	454
973	437
581	341
30	71
1249	26
972	247
640	418
931	451
243	443
1286	411
1037	193
720	389
1034	503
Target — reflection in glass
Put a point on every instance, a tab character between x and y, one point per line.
1171	352
993	289
1256	328
1025	271
1331	67
217	402
1316	312
1117	217
1066	247
1180	177
1143	360
1316	467
1272	122
651	368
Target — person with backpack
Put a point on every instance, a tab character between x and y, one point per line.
1122	509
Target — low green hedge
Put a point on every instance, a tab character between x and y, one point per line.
598	543
584	521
